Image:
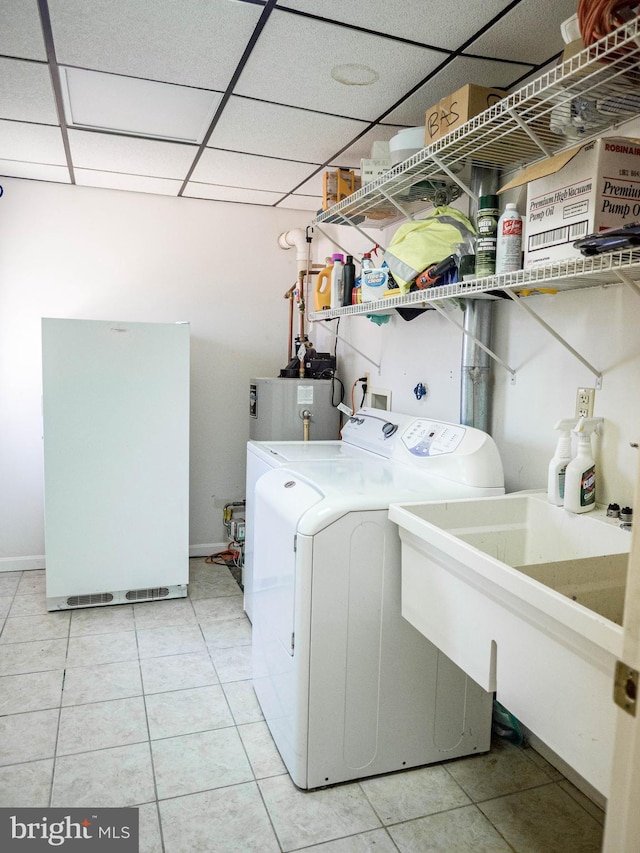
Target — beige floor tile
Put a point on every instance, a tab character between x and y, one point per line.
232	664
212	609
504	770
588	805
544	820
34	656
199	762
301	818
262	751
463	830
29	605
33	691
95	649
413	793
181	712
28	737
107	778
164	614
26	785
32	581
22	629
102	620
235	817
173	640
149	829
226	633
102	725
375	841
177	672
243	702
9	582
102	682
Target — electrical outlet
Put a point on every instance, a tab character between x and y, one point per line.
367	380
584	402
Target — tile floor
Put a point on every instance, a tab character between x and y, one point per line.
151	705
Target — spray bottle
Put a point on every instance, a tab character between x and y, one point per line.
580	476
559	462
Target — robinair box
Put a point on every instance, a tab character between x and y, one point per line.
580	191
458	108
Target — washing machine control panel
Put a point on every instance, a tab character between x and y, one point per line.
428	438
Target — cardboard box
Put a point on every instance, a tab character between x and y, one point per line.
581	191
458	108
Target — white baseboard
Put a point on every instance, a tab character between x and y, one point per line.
21	564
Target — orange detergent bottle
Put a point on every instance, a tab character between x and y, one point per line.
322	293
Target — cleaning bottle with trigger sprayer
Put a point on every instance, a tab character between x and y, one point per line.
580	476
558	464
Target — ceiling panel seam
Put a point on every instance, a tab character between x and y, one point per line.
255	35
47	33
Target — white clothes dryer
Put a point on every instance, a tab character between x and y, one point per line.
262	456
348	688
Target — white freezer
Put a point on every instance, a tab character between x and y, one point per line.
116	453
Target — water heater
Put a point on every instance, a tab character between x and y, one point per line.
276	407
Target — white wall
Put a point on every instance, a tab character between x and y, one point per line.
100	254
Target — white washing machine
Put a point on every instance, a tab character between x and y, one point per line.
348	688
262	456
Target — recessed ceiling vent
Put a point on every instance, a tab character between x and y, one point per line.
144	594
87	600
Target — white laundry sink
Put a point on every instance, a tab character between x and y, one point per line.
528	600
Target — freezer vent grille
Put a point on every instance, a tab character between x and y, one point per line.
93	598
140	594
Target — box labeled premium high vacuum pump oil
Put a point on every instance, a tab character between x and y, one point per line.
581	191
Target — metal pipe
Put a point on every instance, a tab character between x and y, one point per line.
475	378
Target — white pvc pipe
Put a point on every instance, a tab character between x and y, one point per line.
296	239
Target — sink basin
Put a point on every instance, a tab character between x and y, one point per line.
528	600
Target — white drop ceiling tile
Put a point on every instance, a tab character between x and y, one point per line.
21	32
294	57
34	171
301	202
257	127
31	143
361	149
26	93
230	169
216	192
463	70
129	155
530	32
312	186
193	42
448	26
133	183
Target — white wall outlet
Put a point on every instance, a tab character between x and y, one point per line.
584	402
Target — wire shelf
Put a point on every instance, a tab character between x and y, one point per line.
572	274
576	101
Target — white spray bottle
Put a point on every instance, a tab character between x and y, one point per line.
580	476
559	462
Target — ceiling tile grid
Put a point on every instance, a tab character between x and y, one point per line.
268	94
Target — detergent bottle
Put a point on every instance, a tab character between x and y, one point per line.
559	462
336	281
322	293
580	476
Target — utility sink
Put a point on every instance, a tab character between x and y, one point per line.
528	600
